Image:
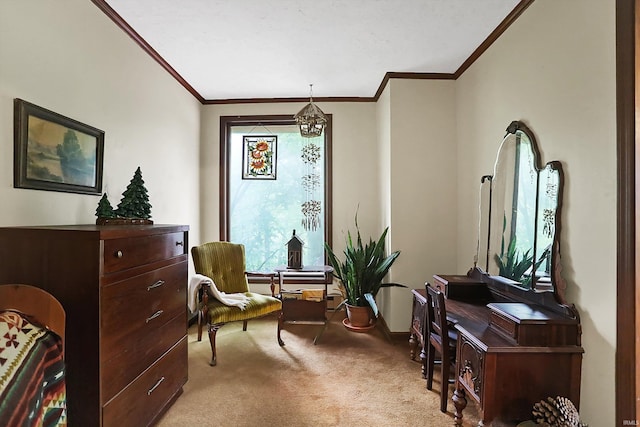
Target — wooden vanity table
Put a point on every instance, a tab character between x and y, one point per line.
416	331
511	354
519	340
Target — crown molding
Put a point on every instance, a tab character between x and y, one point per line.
415	76
501	28
277	100
120	22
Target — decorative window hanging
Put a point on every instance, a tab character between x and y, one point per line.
549	213
548	219
259	158
311	120
311	208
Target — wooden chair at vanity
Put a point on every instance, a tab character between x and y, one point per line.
439	339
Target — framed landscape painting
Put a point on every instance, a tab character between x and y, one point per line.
53	152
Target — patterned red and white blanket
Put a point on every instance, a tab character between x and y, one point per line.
32	385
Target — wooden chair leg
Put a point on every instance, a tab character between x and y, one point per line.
444	392
212	340
279	329
200	321
444	380
430	362
244	325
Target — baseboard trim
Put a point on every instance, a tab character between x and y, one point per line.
392	336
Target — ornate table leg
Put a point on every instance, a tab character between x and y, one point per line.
272	286
413	346
460	402
423	360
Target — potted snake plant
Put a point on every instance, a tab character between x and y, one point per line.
360	274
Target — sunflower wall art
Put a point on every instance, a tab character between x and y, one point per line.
259	158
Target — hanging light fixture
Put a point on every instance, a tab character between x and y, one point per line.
310	119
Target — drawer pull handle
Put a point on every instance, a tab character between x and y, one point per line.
154	315
155	386
155	285
119	254
180	243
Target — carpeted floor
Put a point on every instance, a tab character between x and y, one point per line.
347	379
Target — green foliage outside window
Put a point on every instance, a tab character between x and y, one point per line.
263	213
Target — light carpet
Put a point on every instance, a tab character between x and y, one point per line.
346	379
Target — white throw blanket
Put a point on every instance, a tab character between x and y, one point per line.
236	299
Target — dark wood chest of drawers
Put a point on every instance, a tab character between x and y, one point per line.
124	291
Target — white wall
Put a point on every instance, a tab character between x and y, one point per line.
420	148
423	178
68	57
387	298
355	177
555	70
422	188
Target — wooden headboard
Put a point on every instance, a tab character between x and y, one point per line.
36	303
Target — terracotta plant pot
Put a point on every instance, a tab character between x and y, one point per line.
360	316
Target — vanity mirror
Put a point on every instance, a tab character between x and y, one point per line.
510	310
519	228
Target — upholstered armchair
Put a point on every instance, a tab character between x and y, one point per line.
224	264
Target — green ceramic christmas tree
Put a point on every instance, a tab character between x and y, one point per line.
105	210
135	199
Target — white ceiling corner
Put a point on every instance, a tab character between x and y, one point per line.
274	49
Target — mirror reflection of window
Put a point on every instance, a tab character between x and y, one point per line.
483	253
519	211
501	205
549	184
525	186
514	194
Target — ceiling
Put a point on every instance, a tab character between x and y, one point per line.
247	49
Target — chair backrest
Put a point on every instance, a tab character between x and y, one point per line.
37	304
223	262
436	322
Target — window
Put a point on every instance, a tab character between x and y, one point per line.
261	206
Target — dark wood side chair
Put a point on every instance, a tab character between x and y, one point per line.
439	339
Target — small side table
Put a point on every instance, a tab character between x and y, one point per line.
294	308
